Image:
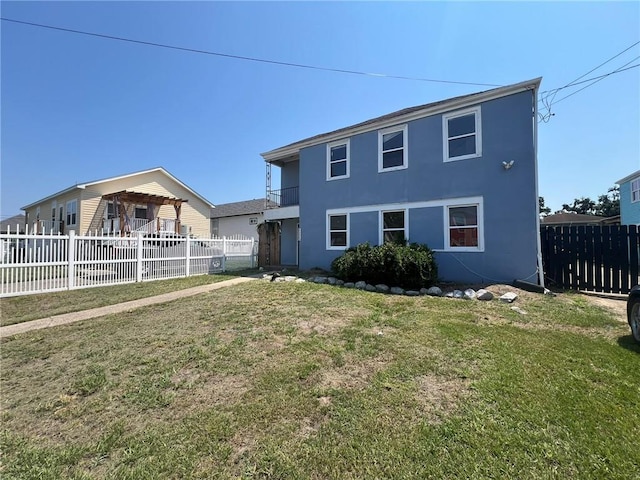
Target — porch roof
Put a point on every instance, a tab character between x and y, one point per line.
141	198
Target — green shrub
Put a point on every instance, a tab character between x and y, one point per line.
406	266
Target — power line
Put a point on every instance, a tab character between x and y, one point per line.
240	57
619	70
596	81
594	69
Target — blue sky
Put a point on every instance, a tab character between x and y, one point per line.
78	108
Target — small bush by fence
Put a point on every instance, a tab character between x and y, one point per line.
32	263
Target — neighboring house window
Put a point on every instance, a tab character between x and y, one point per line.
72	212
635	190
253	221
393	227
140	213
392	149
215	227
463	228
338	160
462	135
338	232
111	210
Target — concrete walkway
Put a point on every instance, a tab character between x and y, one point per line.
66	318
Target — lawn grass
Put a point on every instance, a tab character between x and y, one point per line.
286	380
31	307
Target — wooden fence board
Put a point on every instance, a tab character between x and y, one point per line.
596	258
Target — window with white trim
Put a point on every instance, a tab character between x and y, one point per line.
140	212
393	227
338	232
635	190
72	212
462	135
463	227
392	149
338	160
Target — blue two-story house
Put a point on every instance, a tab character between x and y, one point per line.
459	175
630	199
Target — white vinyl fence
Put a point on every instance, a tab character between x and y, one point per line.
31	263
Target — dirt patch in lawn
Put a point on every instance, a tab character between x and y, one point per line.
618	307
354	376
439	396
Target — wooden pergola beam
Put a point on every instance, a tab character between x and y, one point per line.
142	198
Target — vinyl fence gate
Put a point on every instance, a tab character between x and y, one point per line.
592	258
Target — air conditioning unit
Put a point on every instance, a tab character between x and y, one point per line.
185	229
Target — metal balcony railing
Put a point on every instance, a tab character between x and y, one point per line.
284	197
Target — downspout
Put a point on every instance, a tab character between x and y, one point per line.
535	158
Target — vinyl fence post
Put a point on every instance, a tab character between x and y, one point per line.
71	259
139	252
224	253
188	257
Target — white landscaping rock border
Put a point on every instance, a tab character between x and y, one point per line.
468	294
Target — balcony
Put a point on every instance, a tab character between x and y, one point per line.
285	197
282	204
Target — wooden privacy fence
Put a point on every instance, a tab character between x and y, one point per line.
34	263
594	258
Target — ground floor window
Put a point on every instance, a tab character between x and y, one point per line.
393	227
463	226
72	212
338	231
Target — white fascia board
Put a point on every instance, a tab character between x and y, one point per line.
628	177
447	106
282	213
52	196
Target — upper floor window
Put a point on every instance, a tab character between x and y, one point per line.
392	149
338	160
635	190
72	212
394	227
462	135
338	232
463	228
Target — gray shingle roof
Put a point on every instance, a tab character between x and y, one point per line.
11	223
234	209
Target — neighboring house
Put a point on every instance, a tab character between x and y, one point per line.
13	224
459	175
630	199
568	219
152	201
238	218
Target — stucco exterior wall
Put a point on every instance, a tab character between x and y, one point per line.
508	198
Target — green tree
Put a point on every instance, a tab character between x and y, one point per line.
582	205
609	204
544	211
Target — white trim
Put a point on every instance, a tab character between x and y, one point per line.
328	230
292	150
405	148
442	202
632	190
346	142
534	120
478	133
281	213
628	177
479	226
381	228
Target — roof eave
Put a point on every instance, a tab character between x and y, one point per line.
280	154
628	177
